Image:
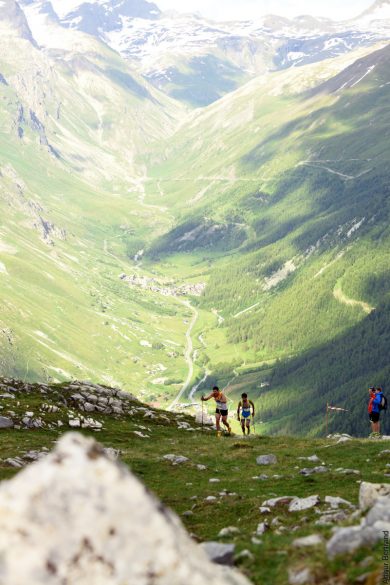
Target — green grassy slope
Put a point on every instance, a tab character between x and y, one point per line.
70	207
185	488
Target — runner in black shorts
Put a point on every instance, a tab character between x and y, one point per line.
221	411
374	409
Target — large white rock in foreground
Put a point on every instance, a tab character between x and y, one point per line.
78	518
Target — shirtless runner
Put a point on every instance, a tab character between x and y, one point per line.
221	409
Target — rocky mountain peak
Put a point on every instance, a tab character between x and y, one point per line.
379	10
104	16
44	7
13	20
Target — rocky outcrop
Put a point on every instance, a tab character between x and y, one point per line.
6	423
371	492
78	517
266	460
372	528
38	127
13	21
18	196
73	404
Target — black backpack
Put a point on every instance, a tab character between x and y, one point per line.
383	404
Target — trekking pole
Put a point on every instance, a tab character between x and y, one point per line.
202	415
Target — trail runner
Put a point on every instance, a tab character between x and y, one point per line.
221	411
247	412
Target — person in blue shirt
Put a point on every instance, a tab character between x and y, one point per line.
374	408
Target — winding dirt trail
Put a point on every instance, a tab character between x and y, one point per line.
342	298
188	354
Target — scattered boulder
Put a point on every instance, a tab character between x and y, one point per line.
312	458
229	531
299	576
371	492
282	501
347	471
221	554
141	435
6	423
262	528
371	529
308	541
266	460
176	459
338	436
347	540
16	462
300	504
336	502
379	515
329	518
88	538
244	555
311	470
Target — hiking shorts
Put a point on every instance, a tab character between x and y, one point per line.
374	417
221	412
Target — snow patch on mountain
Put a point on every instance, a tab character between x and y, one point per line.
197	60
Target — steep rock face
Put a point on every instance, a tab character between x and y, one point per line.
77	517
43	7
13	20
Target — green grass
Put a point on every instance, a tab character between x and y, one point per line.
233	461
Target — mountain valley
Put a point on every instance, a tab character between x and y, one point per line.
186	202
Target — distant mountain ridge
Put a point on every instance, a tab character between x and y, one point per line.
197	60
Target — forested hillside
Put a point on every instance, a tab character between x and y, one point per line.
300	247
